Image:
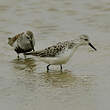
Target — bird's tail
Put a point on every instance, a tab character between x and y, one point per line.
32	53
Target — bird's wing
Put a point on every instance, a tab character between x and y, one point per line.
51	51
23	42
54	50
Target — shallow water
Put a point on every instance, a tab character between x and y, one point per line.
84	83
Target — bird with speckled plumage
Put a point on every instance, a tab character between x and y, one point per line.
61	52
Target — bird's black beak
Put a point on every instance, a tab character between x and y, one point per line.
92	46
32	45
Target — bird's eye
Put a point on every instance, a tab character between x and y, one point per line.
86	39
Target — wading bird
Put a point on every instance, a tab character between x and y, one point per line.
61	52
22	43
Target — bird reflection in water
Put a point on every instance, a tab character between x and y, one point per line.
54	79
28	64
67	79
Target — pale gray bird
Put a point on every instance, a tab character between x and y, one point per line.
61	52
22	43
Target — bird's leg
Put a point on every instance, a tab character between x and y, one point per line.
24	56
48	68
61	68
18	56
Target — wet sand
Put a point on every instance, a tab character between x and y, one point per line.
84	83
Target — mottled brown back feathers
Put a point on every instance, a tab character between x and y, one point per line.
13	39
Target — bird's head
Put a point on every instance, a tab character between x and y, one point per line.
30	37
84	40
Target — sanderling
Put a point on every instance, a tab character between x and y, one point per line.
22	43
61	52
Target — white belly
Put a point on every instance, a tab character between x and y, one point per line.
60	59
54	60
